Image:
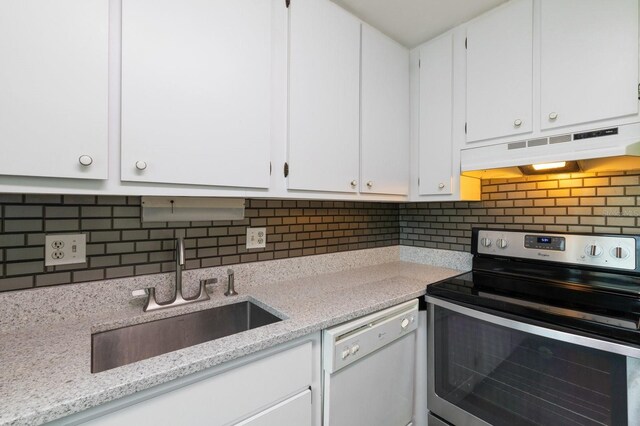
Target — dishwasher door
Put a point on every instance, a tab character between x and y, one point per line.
375	388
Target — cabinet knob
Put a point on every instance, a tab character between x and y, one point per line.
517	123
85	160
141	165
441	185
370	184
354	183
553	116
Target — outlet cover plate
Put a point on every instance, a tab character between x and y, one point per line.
65	249
256	238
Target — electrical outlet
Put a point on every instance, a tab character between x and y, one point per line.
65	249
256	238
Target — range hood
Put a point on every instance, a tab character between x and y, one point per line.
599	150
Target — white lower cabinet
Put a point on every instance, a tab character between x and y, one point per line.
275	387
292	412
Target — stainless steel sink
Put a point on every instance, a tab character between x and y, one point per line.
114	348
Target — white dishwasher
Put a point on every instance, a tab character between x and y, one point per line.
369	369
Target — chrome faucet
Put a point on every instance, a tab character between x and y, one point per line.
231	291
178	299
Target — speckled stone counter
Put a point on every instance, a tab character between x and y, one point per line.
45	362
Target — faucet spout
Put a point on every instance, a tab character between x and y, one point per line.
179	265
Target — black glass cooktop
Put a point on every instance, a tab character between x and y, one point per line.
602	303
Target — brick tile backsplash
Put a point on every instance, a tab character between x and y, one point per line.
119	245
578	202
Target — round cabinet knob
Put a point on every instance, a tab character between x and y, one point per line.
553	116
85	160
141	165
370	184
441	185
619	252
404	324
502	243
593	250
485	242
354	183
517	123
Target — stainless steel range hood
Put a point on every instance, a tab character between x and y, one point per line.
606	149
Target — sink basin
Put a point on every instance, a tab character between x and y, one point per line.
114	348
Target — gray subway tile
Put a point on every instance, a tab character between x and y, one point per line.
18	283
58	211
23	225
128	223
9	240
95	211
149	268
127	259
104	236
22	211
43	199
61	225
79	199
129	211
28	253
122	271
120	247
88	275
24	268
112	200
53	279
95	224
103	261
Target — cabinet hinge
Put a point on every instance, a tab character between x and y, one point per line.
419	63
638	91
287	3
286	169
466	45
418	181
270	168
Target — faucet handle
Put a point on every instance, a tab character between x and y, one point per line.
143	292
208	281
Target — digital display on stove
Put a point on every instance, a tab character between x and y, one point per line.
544	242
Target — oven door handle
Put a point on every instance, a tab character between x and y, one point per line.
576	339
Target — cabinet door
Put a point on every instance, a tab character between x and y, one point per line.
436	116
589	54
295	411
385	115
196	92
500	72
324	97
54	88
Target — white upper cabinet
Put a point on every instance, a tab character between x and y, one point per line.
500	72
436	117
54	88
589	61
324	97
384	115
196	92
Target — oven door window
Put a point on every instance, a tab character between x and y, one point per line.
508	377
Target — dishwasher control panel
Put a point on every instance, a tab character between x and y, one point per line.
349	342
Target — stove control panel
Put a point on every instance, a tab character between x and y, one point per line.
616	252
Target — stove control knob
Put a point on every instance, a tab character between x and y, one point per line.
345	353
593	250
355	349
486	242
502	243
619	252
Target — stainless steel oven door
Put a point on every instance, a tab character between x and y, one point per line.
485	369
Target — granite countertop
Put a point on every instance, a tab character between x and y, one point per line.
46	374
